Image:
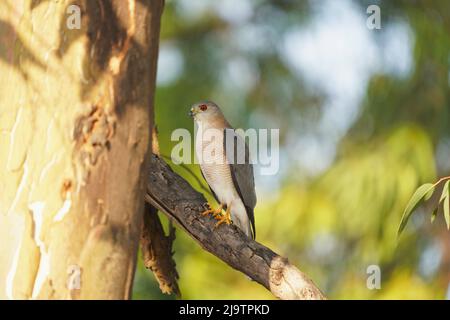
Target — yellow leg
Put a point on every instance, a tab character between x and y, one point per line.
226	218
214	212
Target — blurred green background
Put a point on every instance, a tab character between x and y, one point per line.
364	120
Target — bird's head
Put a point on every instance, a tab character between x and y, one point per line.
205	111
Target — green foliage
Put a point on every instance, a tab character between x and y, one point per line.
335	223
447	210
424	193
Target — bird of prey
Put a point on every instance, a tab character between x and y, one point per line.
230	180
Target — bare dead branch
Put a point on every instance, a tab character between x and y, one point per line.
156	246
157	251
174	196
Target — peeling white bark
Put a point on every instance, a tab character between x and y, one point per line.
54	210
47	167
37	209
64	209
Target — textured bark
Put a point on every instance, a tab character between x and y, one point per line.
75	108
157	251
171	194
156	247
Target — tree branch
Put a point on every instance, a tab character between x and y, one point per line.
156	247
157	251
174	196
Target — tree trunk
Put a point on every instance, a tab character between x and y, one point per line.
76	106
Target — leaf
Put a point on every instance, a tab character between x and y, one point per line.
445	191
434	214
447	210
429	194
425	190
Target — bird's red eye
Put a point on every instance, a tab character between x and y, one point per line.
203	107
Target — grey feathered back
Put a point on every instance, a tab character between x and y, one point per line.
241	173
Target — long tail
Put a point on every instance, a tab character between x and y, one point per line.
243	218
245	226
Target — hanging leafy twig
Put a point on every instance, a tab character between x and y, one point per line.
424	193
